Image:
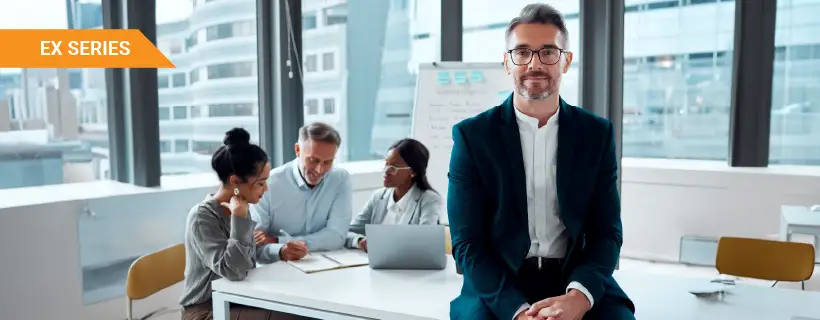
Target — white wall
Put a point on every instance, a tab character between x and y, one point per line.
663	200
40	279
41	264
49	233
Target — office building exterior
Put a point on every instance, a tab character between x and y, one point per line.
358	67
677	74
214	86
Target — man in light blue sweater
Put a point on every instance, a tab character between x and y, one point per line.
309	203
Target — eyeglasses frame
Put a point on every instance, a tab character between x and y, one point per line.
537	52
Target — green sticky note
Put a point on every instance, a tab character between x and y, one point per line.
476	77
443	77
460	77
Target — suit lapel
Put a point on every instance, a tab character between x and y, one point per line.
511	139
381	210
410	210
564	157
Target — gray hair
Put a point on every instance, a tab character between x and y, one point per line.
540	13
319	131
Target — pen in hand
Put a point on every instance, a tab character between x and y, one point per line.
291	250
286	237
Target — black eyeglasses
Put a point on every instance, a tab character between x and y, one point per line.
523	56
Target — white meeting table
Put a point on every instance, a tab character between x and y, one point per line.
349	293
800	220
667	297
363	293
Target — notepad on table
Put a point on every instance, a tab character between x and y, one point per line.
323	261
348	258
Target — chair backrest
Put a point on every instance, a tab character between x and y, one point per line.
448	242
155	271
448	246
765	259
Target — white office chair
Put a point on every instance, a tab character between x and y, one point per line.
815	208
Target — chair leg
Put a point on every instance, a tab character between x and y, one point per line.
128	314
803	285
774	283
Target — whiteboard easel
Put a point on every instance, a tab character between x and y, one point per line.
446	93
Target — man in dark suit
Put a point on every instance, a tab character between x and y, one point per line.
532	201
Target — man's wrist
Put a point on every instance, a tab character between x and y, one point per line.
578	294
521	311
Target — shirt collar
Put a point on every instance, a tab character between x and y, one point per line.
533	122
402	203
300	181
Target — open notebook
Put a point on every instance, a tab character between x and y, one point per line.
322	261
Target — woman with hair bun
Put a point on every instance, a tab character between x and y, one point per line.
219	234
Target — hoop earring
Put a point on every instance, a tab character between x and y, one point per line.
236	191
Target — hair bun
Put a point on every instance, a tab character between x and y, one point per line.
237	137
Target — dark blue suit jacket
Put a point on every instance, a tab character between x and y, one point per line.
487	208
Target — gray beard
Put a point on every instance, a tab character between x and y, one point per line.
524	93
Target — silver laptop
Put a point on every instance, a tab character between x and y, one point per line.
402	246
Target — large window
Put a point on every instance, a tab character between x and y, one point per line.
231	70
329	105
194	76
180	112
164	146
206	148
53	122
360	69
171	47
311	106
182	146
309	20
178	80
54	127
485	23
232	110
227	30
221	80
230	30
310	63
164	113
336	14
162	81
795	126
328	61
677	79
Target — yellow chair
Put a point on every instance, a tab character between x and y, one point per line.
448	242
154	272
448	245
765	259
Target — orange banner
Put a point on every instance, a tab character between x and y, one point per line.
88	48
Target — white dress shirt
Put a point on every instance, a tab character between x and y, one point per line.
547	232
396	209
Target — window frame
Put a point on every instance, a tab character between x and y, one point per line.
281	110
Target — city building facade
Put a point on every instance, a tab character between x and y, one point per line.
359	74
